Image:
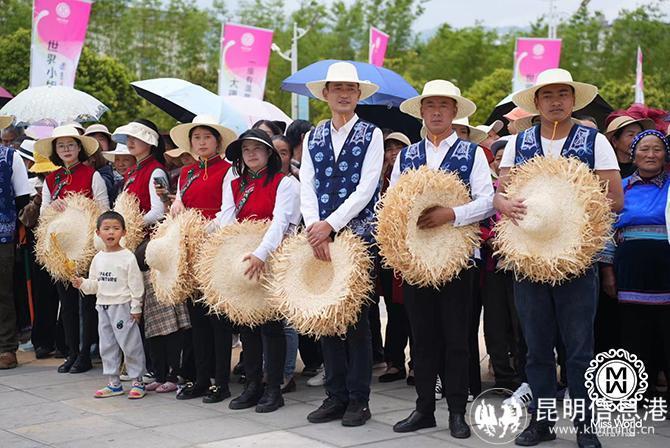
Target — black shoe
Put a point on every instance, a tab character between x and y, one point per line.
289	387
270	401
42	353
357	413
536	432
331	409
414	422
458	428
216	394
310	371
586	439
410	379
67	365
82	364
239	368
191	390
400	374
60	355
249	398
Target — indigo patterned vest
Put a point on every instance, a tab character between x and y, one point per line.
335	180
459	159
581	143
7	204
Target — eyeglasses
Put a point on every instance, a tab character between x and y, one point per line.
68	147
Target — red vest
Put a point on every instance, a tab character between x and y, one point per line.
200	185
138	178
78	179
253	199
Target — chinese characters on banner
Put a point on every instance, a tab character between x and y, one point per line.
59	29
245	55
533	56
378	43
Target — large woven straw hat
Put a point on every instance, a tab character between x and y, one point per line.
424	257
439	87
128	206
342	72
584	93
64	243
321	298
180	134
171	253
220	271
568	220
623	121
43	146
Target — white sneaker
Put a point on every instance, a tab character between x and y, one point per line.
319	379
438	389
523	396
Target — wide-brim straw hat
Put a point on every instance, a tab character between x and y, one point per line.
98	129
424	257
399	137
342	72
171	255
44	145
179	133
220	272
496	126
439	87
120	150
568	220
623	121
321	298
6	121
128	206
42	165
476	135
64	240
584	93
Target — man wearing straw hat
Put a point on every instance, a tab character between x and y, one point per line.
571	306
441	318
340	174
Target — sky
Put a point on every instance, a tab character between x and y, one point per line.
496	13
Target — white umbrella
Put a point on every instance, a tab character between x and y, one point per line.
53	106
254	109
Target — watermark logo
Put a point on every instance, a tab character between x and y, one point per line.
614	378
496	422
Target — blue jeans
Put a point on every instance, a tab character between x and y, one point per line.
291	349
567	310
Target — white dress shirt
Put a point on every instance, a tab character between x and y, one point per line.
98	188
287	206
370	174
481	188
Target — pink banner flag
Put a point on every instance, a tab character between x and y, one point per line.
245	56
532	57
378	42
639	79
59	30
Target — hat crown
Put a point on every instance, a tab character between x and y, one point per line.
205	119
554	76
342	72
440	87
462	121
65	131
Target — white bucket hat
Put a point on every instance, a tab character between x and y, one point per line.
44	147
398	136
120	150
5	121
584	93
439	87
477	135
342	72
137	130
179	134
98	129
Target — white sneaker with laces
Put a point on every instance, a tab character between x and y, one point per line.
439	392
319	379
523	396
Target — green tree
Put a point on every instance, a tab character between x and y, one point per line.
488	91
15	57
14	15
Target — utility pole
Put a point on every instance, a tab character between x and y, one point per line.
553	23
292	57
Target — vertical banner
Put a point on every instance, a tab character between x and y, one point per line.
245	56
378	42
59	30
533	56
639	79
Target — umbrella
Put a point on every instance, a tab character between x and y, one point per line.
53	106
391	118
254	109
393	89
598	109
5	96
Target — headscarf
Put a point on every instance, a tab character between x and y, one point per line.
654	132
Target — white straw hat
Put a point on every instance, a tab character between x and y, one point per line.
584	93
98	129
398	136
342	72
439	87
476	135
120	150
623	121
137	130
179	134
44	145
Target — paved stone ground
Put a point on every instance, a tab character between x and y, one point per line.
40	407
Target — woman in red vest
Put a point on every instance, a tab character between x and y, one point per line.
200	187
260	192
67	149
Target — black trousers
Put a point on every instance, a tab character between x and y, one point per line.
310	351
8	336
69	302
441	321
474	371
376	332
607	327
267	339
45	303
398	331
165	354
212	345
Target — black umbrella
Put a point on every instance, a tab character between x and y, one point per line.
391	118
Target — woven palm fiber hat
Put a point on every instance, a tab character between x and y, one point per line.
220	272
424	257
171	255
321	298
128	206
64	240
568	220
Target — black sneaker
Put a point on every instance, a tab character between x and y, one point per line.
216	394
536	432
249	398
357	413
331	409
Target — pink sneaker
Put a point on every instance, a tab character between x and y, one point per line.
166	387
152	386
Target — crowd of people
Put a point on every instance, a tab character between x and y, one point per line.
321	180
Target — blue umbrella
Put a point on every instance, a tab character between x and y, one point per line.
393	89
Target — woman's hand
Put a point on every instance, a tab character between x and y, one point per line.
256	267
177	207
59	205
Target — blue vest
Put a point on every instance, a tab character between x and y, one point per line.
459	159
7	204
335	180
581	143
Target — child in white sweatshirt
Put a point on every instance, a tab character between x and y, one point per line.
115	278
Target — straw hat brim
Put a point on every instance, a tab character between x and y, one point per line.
220	273
5	121
367	88
412	106
128	205
476	135
321	298
645	123
44	146
64	240
424	257
568	220
171	254
584	94
179	135
111	155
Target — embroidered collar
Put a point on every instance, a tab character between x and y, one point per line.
257	174
658	180
203	163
